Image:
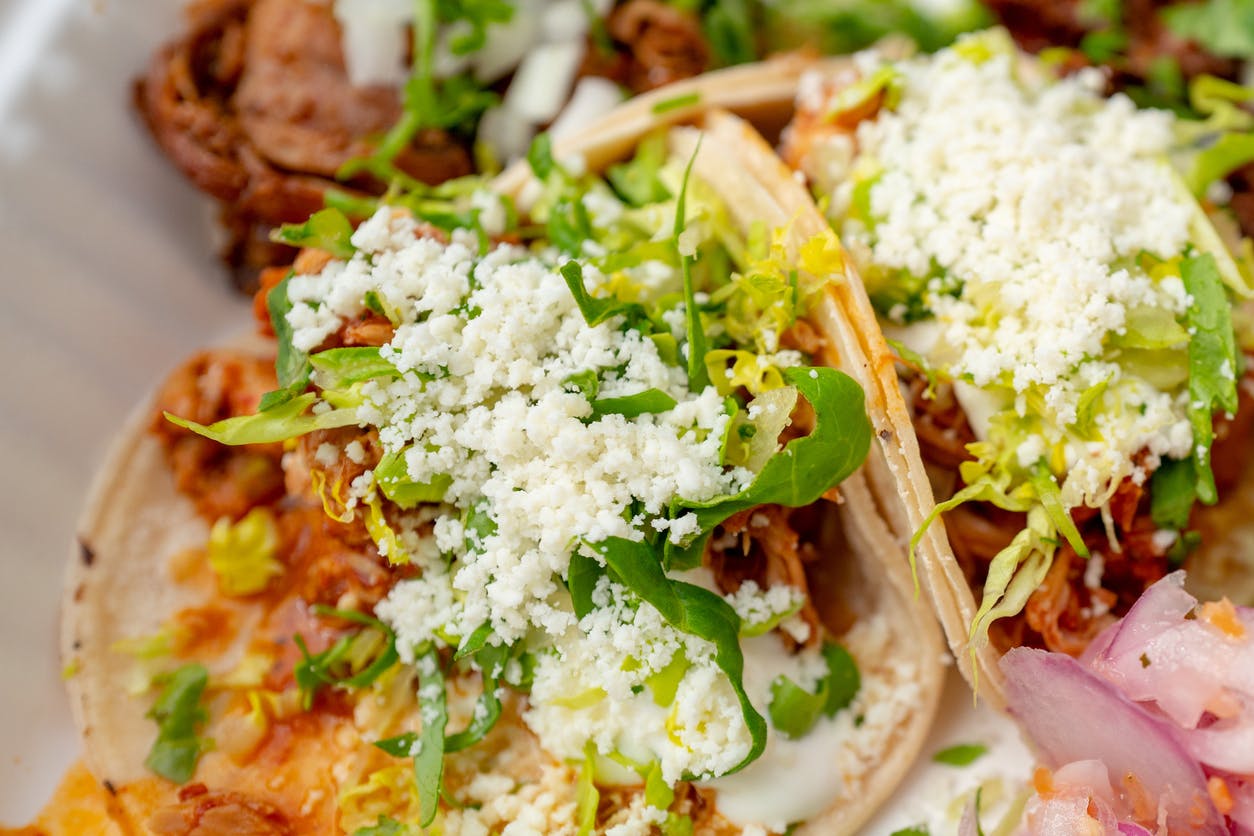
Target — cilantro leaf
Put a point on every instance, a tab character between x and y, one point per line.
1212	361
596	310
690	609
178	714
805	469
963	754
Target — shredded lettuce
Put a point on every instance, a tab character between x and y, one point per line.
748	370
242	554
1014	574
751	443
587	798
392	477
1050	497
339	368
385	538
287	420
179	714
638	181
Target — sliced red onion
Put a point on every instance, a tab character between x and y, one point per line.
1073	715
1227	745
1160	607
1127	828
1242	812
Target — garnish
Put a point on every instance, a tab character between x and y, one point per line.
178	714
1212	362
961	754
353	661
689	609
242	554
279	423
426	746
794	710
327	230
805	469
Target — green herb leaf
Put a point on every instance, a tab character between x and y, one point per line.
677	102
385	826
540	156
327	229
473	643
581	579
426	747
178	714
597	310
290	365
698	376
1225	155
917	830
1223	27
287	420
794	710
1212	361
353	661
963	754
586	382
690	609
1173	490
650	401
638	181
677	825
805	469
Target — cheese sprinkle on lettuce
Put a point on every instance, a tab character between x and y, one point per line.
1031	242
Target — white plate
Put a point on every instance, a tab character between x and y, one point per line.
108	278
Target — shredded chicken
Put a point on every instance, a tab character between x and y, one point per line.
222	481
762	544
664	43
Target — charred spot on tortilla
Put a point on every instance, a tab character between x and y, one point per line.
85	553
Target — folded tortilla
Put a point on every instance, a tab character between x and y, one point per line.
139	562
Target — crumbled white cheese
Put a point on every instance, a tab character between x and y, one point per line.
1023	202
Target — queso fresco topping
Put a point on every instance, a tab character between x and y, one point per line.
1032	243
550	435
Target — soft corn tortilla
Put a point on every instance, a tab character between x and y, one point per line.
120	583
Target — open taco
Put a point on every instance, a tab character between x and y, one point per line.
1059	287
534	509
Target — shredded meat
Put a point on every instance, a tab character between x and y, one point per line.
939	423
254	106
664	43
1064	613
220	480
762	544
204	812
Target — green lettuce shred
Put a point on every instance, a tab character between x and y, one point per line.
287	420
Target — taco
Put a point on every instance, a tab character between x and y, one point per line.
534	509
1059	291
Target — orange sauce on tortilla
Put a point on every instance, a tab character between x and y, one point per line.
80	805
